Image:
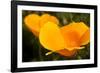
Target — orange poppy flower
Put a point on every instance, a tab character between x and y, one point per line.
34	22
65	40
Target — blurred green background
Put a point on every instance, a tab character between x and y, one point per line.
33	51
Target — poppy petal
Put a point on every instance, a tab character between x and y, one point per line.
48	18
32	22
50	37
85	39
71	38
79	27
72	34
65	52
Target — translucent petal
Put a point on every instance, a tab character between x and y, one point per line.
71	38
74	35
78	27
50	37
32	22
85	39
48	18
65	52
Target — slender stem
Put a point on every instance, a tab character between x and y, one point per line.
40	52
71	17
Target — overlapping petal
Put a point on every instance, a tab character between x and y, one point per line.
66	52
85	38
50	37
75	34
48	18
65	40
34	22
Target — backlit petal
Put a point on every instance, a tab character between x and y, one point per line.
85	39
50	37
65	52
78	27
48	18
71	38
32	22
73	33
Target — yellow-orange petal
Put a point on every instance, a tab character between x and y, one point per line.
32	22
71	38
79	27
85	39
65	52
48	18
73	33
54	20
50	37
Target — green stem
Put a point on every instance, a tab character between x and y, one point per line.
71	17
40	52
